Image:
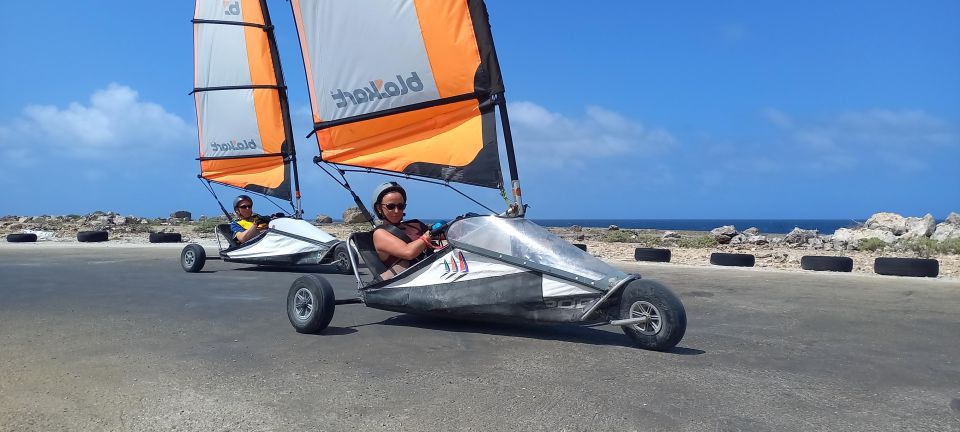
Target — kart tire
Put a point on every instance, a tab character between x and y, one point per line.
652	299
21	238
192	258
165	237
732	259
581	246
92	236
341	258
310	304
827	263
916	267
651	254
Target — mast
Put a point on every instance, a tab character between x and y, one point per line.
289	145
519	208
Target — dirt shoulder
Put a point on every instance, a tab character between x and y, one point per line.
600	242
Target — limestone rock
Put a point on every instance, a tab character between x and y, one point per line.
946	230
920	227
119	220
752	231
953	218
724	234
861	234
738	239
670	235
576	228
887	221
799	237
757	239
322	219
842	235
354	215
613	228
182	214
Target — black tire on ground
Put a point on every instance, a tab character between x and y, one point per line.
732	259
341	258
92	236
651	254
192	258
165	237
581	246
310	304
21	238
827	263
917	267
668	319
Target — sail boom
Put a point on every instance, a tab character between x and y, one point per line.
235	23
239	87
202	159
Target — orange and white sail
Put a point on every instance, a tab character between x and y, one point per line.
242	116
406	86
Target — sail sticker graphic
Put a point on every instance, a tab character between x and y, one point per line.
455	268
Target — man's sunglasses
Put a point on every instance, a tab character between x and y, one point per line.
245	206
392	207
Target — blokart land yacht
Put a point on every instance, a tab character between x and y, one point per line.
414	93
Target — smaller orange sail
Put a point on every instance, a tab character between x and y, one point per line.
242	117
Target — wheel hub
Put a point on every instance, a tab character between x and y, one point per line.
303	303
189	258
650	316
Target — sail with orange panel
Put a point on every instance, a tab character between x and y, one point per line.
242	111
405	86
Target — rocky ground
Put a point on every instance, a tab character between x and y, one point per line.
779	251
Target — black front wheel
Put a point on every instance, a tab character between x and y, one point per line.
662	320
192	258
310	304
342	258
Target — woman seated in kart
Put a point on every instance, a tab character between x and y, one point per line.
398	243
248	224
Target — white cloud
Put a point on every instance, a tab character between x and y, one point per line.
557	141
899	139
113	123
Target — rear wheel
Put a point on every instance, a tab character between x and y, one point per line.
310	304
192	258
663	318
342	258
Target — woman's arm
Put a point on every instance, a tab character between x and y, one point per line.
389	244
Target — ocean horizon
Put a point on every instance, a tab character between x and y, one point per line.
769	226
766	226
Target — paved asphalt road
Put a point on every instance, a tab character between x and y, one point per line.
119	338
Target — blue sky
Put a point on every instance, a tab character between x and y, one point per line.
620	109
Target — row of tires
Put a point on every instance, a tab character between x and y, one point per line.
97	236
917	267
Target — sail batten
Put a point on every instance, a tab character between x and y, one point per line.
409	91
242	121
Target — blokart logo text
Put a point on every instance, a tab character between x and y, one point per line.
233	145
378	90
231	7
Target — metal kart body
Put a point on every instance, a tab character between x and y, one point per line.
501	268
289	241
496	267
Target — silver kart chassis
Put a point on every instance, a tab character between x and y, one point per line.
287	242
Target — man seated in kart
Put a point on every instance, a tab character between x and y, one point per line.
398	243
248	224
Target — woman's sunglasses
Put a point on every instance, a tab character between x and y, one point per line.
245	206
392	207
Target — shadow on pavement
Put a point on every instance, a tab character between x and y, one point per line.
548	331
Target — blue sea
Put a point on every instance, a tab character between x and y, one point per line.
769	226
